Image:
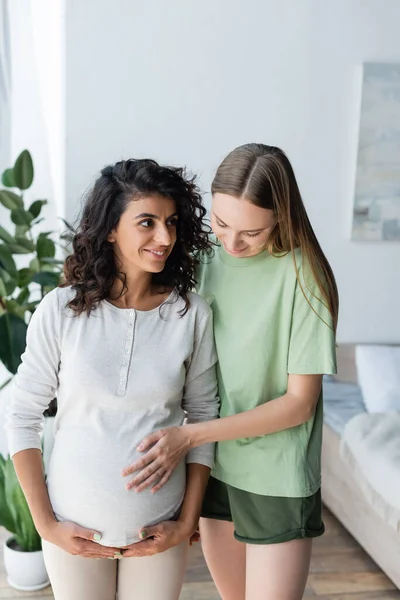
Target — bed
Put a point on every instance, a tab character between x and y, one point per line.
344	489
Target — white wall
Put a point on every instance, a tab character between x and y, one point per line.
37	115
37	35
185	82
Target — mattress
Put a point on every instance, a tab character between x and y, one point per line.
371	447
342	402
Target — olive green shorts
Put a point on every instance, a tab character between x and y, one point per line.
263	519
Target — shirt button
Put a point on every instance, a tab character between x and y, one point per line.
130	324
125	363
127	351
122	379
131	313
129	338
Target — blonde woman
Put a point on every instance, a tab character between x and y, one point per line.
275	305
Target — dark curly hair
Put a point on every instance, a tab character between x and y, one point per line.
91	269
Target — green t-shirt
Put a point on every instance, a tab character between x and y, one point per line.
264	329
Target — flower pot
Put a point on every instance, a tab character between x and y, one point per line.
26	571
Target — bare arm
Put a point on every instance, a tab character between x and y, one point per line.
29	468
197	479
293	408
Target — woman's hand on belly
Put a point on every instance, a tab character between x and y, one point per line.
78	541
159	538
165	449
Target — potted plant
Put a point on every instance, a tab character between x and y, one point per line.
22	286
23	557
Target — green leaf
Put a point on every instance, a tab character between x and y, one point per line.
11	305
25	532
17	310
34	265
23	296
45	247
25	277
7	261
31	307
6	518
68	237
68	225
4	385
23	170
7	178
21	230
16	249
9	282
3	290
5	236
12	340
36	207
46	279
51	261
11	200
25	243
21	217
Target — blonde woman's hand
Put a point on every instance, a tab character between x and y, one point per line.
159	538
78	541
164	449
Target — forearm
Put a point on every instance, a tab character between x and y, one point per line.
196	483
282	413
29	469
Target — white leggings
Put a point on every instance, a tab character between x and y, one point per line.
157	577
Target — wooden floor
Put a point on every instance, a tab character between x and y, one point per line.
340	570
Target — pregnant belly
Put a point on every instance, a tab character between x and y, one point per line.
86	486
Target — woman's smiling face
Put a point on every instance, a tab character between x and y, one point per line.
242	228
145	234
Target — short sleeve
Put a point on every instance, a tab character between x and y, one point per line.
312	347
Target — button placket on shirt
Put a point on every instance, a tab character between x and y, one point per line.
123	374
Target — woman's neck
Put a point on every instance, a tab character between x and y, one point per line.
138	292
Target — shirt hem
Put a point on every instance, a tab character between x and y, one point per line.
270	491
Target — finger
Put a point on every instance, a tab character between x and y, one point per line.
151	532
101	556
150	440
146	548
87	534
140	464
93	548
145	474
162	481
155	478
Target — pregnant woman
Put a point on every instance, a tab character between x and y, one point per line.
127	349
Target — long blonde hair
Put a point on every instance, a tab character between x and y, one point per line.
264	176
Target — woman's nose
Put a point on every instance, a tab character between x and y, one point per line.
162	236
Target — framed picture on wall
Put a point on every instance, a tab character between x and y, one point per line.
376	207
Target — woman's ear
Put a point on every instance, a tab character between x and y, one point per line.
111	237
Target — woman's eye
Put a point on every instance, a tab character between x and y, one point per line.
221	224
253	234
173	222
146	223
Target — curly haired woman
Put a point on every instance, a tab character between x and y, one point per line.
127	349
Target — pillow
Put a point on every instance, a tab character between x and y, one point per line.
378	370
